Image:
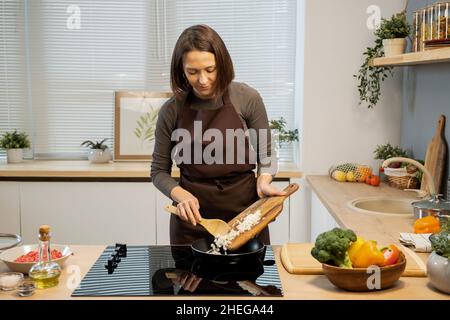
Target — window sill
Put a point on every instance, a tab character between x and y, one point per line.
114	170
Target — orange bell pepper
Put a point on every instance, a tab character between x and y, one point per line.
368	255
428	224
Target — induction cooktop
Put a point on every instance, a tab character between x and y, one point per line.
173	271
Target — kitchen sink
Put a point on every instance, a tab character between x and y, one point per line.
383	206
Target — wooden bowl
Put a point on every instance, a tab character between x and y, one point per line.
365	279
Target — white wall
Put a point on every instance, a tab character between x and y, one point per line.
334	128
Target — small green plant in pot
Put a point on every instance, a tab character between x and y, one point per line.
438	264
14	143
280	134
387	151
99	151
389	40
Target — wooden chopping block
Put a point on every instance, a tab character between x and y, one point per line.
269	207
297	259
436	157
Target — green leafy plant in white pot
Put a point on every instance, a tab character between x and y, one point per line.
438	264
99	151
394	31
280	135
371	77
14	143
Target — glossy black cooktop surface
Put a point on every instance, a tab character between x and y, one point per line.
173	271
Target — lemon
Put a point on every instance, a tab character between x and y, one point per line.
351	176
339	176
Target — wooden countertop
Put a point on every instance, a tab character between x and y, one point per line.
85	169
295	287
334	195
382	228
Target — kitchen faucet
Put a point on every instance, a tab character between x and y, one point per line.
429	178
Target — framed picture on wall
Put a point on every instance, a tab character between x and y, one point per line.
135	116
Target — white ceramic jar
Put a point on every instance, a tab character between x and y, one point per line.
438	269
99	155
393	47
14	155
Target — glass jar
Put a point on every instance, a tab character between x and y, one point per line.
420	34
45	273
441	14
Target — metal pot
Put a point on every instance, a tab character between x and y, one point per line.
435	206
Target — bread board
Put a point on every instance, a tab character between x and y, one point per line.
296	259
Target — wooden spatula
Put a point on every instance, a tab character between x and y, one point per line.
215	227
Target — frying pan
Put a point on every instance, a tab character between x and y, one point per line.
250	270
250	252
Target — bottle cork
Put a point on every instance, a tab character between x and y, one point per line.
44	232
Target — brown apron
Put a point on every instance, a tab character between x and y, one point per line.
223	190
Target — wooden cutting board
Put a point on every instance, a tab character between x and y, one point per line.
297	259
269	207
436	157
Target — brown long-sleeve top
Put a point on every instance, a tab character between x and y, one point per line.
252	112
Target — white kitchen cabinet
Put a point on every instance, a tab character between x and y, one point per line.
279	229
321	218
162	219
89	212
9	207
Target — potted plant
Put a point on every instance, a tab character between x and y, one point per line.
370	77
438	264
386	151
280	135
14	143
394	32
99	151
402	175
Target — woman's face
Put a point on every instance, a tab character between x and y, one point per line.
200	70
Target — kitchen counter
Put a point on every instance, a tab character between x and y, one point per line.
295	287
85	169
334	196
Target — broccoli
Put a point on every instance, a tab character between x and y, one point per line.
331	247
440	242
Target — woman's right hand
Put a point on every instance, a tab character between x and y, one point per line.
188	205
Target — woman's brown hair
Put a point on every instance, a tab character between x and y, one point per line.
201	38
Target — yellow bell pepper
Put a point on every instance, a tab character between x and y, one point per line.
354	247
368	255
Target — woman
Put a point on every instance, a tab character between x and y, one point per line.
204	95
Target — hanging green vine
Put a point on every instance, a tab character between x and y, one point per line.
369	77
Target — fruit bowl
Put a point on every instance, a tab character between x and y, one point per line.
8	256
364	279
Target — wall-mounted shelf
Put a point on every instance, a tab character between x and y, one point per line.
414	58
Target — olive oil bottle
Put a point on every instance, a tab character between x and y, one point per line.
45	273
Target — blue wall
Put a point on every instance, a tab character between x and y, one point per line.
426	97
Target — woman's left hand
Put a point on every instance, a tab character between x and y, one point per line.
265	189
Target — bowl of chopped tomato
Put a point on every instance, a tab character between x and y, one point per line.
20	259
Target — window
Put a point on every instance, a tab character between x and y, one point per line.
79	53
13	73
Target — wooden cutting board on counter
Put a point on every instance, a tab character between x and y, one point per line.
436	157
297	259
